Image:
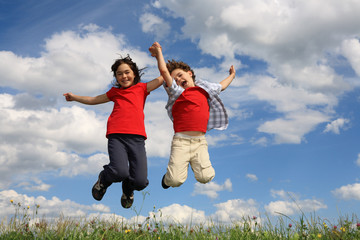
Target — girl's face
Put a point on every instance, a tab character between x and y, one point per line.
182	78
125	76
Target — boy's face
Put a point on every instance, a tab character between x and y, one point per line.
125	76
182	78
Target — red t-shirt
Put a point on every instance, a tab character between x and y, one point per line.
127	116
191	110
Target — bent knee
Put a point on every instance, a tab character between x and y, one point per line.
173	182
116	175
140	184
206	176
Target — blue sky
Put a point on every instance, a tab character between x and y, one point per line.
292	141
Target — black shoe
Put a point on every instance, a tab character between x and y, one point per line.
163	183
127	201
99	189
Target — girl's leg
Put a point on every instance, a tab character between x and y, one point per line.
117	170
137	179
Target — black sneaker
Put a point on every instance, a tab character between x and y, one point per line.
163	183
99	189
127	201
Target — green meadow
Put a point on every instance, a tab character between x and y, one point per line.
26	223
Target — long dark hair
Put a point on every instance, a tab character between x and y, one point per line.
127	60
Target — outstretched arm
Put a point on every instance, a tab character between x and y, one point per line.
156	52
154	84
226	82
85	99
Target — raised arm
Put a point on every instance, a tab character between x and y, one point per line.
226	82
156	52
85	99
154	84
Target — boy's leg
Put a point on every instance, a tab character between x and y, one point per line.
200	161
177	169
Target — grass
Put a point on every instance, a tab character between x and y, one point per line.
24	225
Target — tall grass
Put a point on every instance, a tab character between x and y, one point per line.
25	224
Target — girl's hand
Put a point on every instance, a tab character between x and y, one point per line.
69	96
155	49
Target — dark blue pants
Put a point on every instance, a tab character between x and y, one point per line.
128	162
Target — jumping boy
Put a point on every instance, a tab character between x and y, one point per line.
194	107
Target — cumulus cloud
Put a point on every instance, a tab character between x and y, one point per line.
291	204
289	37
179	214
41	132
36	141
34	185
336	125
226	212
294	126
252	177
159	127
153	24
348	192
262	141
211	189
77	61
351	50
235	210
48	207
218	139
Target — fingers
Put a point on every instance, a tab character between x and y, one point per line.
231	70
67	96
154	49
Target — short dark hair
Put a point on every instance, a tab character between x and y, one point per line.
127	60
172	65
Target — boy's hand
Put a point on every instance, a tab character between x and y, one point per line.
155	49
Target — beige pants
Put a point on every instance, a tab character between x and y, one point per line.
187	150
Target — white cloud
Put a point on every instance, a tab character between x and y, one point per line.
41	132
48	207
252	177
287	98
348	192
292	204
336	125
262	141
179	214
235	210
216	139
34	185
211	189
36	141
282	194
77	61
351	50
358	160
159	129
294	126
232	210
289	38
151	23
